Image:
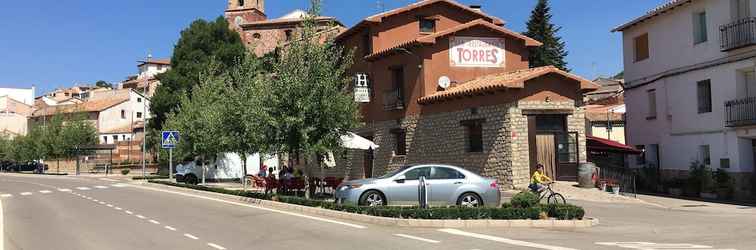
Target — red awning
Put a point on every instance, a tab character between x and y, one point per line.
601	144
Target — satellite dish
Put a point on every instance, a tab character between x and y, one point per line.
444	82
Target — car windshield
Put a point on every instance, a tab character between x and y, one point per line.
392	173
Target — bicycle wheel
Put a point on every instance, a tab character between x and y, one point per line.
556	198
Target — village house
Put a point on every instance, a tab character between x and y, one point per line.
443	82
145	81
691	93
15	109
605	110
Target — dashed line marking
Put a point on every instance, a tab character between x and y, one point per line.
140	216
106	179
191	236
503	240
83	188
101	187
6	195
110	205
120	185
216	246
417	238
155	222
118	208
170	228
102	203
64	190
129	212
26	193
45	191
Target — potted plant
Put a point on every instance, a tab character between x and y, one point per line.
724	186
615	186
675	186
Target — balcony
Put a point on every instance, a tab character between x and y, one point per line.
738	34
393	100
740	112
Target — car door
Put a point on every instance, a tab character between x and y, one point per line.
444	183
405	193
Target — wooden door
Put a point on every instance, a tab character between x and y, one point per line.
546	153
367	163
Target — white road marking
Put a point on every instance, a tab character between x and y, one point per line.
102	203
129	212
118	208
26	193
256	207
191	236
110	205
655	246
503	240
170	228
140	216
64	190
155	222
89	198
101	187
417	238
45	191
2	233
6	195
83	188
95	200
213	245
120	185
106	179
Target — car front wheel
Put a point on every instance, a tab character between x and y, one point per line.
469	200
372	198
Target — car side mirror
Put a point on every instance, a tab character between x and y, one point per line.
400	179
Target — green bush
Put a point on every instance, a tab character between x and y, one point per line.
524	199
125	171
506	212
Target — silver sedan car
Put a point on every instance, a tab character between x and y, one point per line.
446	186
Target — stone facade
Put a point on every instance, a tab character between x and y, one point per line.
441	138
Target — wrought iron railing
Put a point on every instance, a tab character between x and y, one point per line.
738	34
740	112
393	100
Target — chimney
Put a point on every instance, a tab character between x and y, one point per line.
476	7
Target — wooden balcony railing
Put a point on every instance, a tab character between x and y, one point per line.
738	34
740	112
393	100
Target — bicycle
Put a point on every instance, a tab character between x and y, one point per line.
553	197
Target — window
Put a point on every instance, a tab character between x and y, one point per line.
394	98
442	173
474	135
724	163
115	138
241	3
400	136
651	105
699	28
641	47
139	115
705	154
427	25
741	9
139	99
256	35
555	123
415	174
288	35
641	158
123	114
704	96
367	44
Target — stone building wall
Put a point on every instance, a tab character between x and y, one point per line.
441	138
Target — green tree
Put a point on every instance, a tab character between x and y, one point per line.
75	134
308	100
52	139
6	148
103	84
553	51
199	44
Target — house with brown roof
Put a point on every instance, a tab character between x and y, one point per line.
145	81
441	82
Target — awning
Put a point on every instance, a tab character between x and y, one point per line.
353	141
601	144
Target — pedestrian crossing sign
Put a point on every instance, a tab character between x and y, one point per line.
170	139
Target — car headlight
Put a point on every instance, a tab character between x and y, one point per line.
343	188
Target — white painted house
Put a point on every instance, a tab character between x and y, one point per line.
691	88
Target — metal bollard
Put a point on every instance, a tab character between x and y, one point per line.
422	193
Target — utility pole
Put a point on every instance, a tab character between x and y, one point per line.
144	118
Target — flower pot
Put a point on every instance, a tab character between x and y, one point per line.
707	195
616	190
603	187
675	191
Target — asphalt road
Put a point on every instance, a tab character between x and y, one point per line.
46	212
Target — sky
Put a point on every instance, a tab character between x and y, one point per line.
52	44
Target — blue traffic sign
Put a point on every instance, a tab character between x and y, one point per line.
170	139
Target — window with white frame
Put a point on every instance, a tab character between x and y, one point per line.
704	155
699	28
651	105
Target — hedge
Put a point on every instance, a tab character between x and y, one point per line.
151	177
505	212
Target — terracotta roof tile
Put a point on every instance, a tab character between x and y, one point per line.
508	80
90	106
156	61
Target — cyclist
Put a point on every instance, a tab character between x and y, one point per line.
539	179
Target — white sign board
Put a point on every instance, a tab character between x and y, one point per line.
476	52
361	89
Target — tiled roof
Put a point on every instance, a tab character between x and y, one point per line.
90	106
508	80
156	61
661	9
379	17
431	39
602	112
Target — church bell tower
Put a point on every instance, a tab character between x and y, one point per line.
239	12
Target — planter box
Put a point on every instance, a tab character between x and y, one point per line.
675	191
708	195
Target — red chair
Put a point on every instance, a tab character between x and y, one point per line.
258	181
297	184
270	184
333	182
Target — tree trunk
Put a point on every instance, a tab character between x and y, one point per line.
203	170
244	171
57	168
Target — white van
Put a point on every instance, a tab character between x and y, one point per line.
226	167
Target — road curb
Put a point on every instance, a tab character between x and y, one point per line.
397	222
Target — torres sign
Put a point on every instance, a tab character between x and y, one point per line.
476	52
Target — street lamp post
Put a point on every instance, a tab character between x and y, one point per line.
144	130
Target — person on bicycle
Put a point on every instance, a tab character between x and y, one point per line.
539	179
